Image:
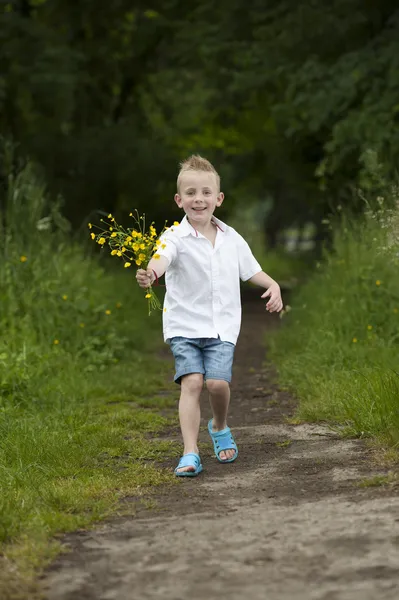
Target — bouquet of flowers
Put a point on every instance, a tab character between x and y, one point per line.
134	245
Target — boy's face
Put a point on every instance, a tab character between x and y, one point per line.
198	196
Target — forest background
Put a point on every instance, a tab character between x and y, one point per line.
287	99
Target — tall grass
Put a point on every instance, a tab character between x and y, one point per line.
339	345
78	382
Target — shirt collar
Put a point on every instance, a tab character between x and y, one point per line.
185	228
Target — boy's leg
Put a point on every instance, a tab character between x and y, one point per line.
189	412
219	397
218	363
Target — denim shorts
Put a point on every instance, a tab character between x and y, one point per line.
209	356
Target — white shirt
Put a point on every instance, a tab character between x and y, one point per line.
203	298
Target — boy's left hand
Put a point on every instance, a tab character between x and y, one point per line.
275	303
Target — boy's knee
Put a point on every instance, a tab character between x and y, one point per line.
192	383
217	386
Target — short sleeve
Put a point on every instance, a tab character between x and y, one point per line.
248	265
168	246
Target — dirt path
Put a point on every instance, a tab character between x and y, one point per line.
286	521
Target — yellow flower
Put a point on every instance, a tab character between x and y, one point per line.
369	327
109	216
135	247
142	246
141	256
119	253
65	297
139	235
101	241
81	325
148	295
138	262
89	225
164	310
127	264
23	258
378	282
163	246
118	305
157	243
113	234
123	249
114	252
92	235
176	223
130	214
128	239
56	342
354	340
107	312
134	233
157	256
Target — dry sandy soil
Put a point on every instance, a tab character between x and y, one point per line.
287	520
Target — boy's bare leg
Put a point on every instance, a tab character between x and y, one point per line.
219	397
189	412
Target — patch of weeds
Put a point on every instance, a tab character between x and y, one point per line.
294	420
284	444
272	402
391	479
149	503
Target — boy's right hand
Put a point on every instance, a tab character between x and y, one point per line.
145	278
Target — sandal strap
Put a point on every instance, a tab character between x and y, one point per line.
225	443
189	460
222	440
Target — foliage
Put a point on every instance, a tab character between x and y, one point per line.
339	346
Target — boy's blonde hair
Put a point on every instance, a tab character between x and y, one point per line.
197	163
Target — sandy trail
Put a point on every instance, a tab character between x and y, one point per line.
287	520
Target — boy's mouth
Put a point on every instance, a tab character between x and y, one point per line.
199	209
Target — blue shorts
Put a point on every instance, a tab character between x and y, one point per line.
209	356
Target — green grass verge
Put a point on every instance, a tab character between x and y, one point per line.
83	388
338	348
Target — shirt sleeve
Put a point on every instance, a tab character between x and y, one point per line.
248	265
168	247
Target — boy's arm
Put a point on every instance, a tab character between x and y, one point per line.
156	268
272	289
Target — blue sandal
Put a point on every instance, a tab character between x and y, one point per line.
189	460
222	441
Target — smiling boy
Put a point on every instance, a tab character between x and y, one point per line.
204	260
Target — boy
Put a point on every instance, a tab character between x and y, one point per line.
204	260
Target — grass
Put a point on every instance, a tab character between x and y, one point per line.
380	480
338	348
83	388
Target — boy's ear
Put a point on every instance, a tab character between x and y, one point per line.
220	199
178	200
